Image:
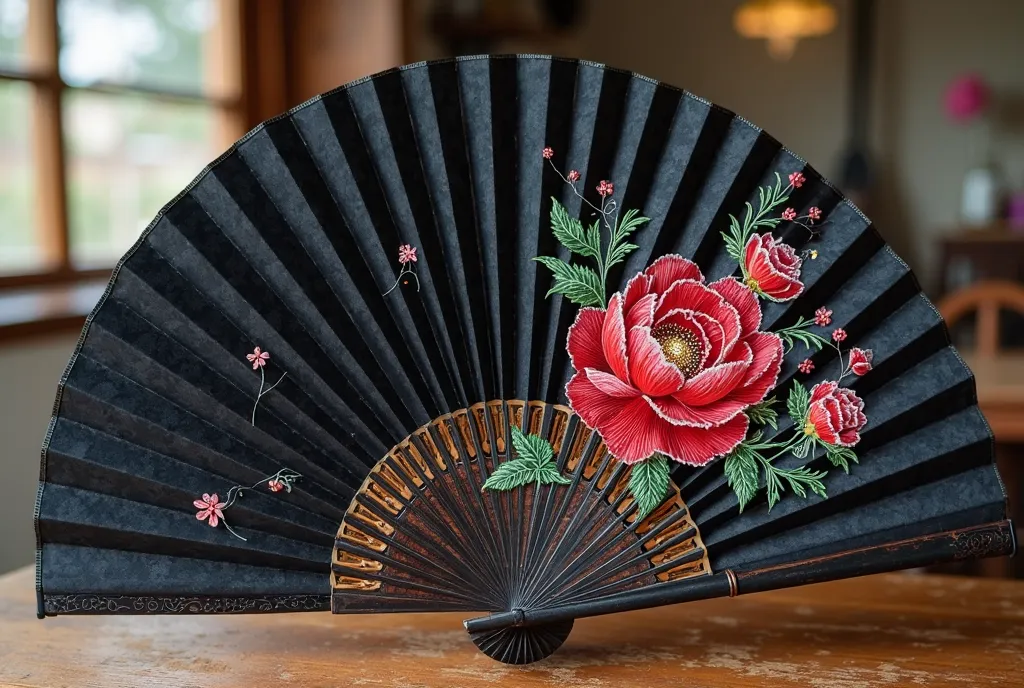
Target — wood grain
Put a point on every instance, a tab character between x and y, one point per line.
888	630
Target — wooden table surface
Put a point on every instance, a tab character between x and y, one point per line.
889	630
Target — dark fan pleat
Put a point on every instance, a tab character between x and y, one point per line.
290	242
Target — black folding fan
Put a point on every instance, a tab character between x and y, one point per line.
516	335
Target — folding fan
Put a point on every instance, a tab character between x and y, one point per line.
522	336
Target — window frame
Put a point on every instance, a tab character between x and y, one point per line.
41	71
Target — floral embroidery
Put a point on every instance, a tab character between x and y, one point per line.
406	258
672	368
211	509
259	360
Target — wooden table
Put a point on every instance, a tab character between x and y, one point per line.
889	630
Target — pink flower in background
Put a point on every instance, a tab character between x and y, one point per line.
806	366
605	188
210	509
822	317
839	334
789	214
258	358
407	254
860	361
548	152
797	179
814	213
573	176
967	97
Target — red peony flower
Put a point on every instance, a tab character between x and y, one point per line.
839	334
605	188
210	509
860	361
789	214
814	213
772	268
573	176
548	152
822	317
672	364
797	179
258	358
806	366
836	415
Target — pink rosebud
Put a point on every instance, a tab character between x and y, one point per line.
258	358
860	361
548	152
823	317
788	214
573	176
814	213
407	254
210	509
275	485
839	334
797	179
605	188
806	366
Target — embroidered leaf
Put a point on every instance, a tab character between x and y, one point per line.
618	249
840	456
803	448
798	333
799	480
741	471
619	253
548	475
798	403
534	450
510	475
648	483
570	233
580	285
764	414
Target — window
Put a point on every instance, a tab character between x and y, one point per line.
108	108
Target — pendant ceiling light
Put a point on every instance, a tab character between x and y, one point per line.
783	22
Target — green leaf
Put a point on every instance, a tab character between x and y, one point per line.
648	483
533	450
548	475
764	414
569	232
798	333
618	249
742	473
510	475
840	456
628	224
580	285
798	403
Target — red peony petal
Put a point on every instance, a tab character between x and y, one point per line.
697	447
671	410
632	433
584	340
593	406
687	295
713	384
822	390
609	384
743	300
649	370
669	269
613	338
642	312
637	287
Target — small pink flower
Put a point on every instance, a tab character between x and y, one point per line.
814	213
839	334
806	366
275	485
573	176
407	254
210	509
860	361
788	214
823	317
797	179
548	152
258	358
605	188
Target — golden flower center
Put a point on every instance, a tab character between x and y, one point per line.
681	347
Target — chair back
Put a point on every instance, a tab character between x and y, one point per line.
987	298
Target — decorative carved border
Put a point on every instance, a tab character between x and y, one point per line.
152	604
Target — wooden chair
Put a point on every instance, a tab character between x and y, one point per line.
987	298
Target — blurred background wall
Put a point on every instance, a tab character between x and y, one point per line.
221	66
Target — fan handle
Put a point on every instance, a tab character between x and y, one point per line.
988	540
